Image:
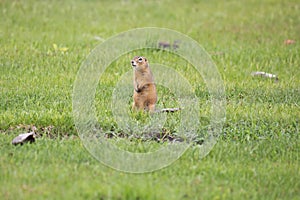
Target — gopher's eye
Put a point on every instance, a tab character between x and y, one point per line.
140	59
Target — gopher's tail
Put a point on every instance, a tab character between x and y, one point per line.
168	110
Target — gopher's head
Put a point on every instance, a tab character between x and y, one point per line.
139	62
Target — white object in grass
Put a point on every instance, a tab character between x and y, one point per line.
264	74
23	138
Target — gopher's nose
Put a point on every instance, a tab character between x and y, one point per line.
133	63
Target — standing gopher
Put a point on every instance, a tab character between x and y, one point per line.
144	94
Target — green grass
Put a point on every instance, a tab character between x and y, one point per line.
257	155
62	169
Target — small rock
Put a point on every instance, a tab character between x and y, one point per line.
164	45
23	138
289	42
264	74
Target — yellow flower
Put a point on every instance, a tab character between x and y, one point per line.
63	49
55	46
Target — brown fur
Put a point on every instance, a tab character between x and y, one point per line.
144	94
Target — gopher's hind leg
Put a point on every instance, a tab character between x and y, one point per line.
151	108
138	106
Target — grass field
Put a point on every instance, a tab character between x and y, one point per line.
43	44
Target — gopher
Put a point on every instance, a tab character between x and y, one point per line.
144	93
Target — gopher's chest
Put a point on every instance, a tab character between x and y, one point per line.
145	94
146	88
